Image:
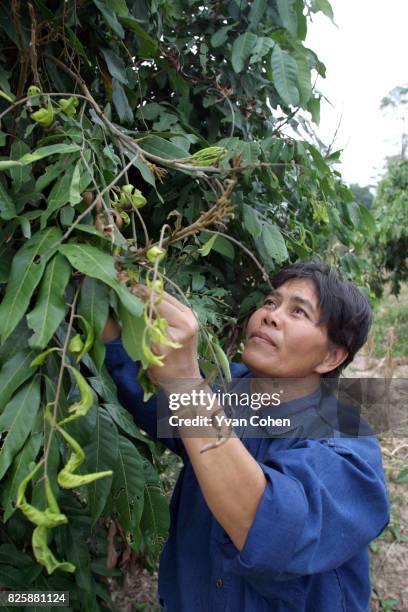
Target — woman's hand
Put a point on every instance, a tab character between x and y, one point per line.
180	363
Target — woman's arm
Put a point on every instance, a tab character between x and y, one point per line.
112	330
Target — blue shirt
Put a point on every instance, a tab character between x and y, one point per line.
306	551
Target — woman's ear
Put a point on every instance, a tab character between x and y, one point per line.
334	357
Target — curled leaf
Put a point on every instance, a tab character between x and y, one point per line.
66	477
80	408
42	357
44	116
43	554
155	253
76	344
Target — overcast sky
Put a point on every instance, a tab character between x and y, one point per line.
365	56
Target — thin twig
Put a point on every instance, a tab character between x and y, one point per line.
60	378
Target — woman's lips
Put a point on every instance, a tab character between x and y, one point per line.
260	337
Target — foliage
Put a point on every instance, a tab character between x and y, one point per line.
143	141
391	317
362	194
389	245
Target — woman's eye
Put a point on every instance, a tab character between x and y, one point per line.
269	302
301	311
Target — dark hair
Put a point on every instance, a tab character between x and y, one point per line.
343	307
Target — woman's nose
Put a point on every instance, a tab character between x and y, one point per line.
273	317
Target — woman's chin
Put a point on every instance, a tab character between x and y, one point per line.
260	367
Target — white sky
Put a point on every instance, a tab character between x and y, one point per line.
365	57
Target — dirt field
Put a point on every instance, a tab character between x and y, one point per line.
389	553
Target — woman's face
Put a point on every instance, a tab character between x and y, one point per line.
283	338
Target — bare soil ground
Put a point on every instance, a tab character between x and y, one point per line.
389	553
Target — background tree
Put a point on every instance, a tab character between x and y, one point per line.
389	244
396	103
362	194
142	141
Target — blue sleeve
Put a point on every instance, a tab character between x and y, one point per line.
324	501
123	371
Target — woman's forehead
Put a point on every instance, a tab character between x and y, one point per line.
297	287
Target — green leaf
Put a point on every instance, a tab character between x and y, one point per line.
10	554
223	359
324	6
285	76
17	419
59	195
118	6
288	16
60	148
11	578
20	469
95	263
367	221
163	148
155	518
303	77
402	476
7	208
26	272
6	257
76	43
257	11
6	97
319	160
221	245
101	454
110	18
313	106
125	422
14	373
251	221
50	174
19	174
220	36
150	47
77	552
50	307
116	65
242	49
145	171
274	243
132	332
121	103
74	188
94	307
206	248
224	247
127	486
263	45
